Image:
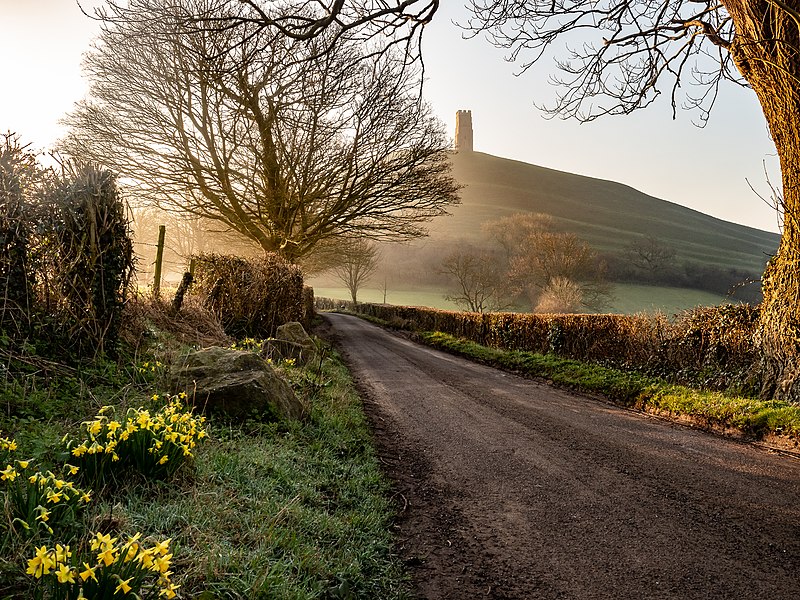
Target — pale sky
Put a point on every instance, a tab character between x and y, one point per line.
41	42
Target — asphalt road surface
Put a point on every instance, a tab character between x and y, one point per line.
508	488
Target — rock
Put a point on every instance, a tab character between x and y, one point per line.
291	341
235	383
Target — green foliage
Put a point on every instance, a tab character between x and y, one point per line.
250	296
37	504
296	510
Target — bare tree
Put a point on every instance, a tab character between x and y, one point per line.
358	262
546	259
636	48
650	254
480	283
512	230
383	24
560	296
271	137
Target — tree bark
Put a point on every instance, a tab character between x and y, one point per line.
766	50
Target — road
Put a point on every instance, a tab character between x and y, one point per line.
508	488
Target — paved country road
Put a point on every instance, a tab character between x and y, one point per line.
511	489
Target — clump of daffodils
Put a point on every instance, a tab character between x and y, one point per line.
248	344
155	443
109	569
35	502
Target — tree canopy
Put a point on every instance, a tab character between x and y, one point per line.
280	141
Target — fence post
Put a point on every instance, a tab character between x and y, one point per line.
162	229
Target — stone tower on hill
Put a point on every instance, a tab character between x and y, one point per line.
464	130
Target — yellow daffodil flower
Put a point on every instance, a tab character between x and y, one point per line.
123	586
88	572
65	574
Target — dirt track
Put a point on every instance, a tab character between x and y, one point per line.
511	489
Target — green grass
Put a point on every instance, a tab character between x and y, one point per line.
755	418
627	298
297	510
608	215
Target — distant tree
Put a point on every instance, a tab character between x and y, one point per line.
271	137
481	285
546	259
358	262
511	231
650	254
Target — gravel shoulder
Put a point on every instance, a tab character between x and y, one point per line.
509	489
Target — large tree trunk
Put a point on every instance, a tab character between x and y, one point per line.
766	51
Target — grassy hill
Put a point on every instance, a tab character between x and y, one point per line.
608	215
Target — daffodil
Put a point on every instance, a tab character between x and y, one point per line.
102	541
9	474
107	556
123	586
23	464
162	548
88	572
162	563
65	574
41	563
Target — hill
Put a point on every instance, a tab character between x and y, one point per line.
607	214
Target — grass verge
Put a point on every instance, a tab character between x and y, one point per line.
755	418
295	510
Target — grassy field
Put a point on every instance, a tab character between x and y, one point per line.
607	214
627	299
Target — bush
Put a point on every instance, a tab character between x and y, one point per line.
251	297
66	257
94	262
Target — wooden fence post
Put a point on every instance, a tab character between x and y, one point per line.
162	229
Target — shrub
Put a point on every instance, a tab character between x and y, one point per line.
94	261
716	347
19	174
250	296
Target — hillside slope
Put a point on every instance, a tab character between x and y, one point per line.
608	215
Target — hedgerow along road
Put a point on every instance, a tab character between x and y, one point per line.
508	488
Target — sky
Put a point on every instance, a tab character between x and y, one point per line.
707	169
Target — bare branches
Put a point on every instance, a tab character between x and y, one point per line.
625	51
281	140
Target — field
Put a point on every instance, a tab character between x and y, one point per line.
607	214
627	299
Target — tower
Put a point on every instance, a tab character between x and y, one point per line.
464	130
